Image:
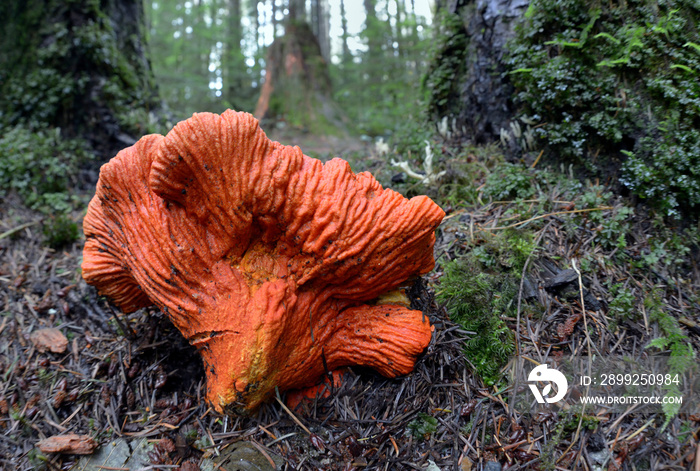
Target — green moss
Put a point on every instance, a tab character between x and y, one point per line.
479	290
60	231
448	60
73	67
40	166
423	426
615	85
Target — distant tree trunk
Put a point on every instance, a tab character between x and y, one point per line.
321	27
467	80
374	40
257	70
234	66
201	44
398	33
274	19
80	66
345	35
297	87
297	10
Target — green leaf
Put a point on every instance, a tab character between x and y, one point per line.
693	45
682	67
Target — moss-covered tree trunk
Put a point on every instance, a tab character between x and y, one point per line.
76	65
297	87
467	82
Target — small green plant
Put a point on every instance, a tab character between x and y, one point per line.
60	231
674	341
570	420
37	459
510	182
616	86
202	443
40	166
621	307
423	426
612	228
114	324
44	376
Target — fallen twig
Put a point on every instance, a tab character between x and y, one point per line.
557	213
19	228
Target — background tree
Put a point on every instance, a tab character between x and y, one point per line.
378	86
610	88
321	27
467	78
238	92
76	86
297	86
234	43
345	55
67	66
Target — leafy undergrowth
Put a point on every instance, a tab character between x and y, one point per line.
610	83
536	266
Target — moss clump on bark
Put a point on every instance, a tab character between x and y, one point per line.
615	85
78	66
74	85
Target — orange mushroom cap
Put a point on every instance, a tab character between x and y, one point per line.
265	259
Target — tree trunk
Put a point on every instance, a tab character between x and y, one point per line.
467	80
235	68
396	41
297	10
274	19
372	26
321	30
79	66
345	35
257	69
297	87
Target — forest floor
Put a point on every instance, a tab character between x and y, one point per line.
133	386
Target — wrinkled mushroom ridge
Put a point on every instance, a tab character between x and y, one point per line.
265	259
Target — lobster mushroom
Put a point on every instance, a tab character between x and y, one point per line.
268	261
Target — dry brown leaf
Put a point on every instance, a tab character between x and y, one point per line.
49	339
70	443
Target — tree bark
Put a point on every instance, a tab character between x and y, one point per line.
477	93
297	10
235	68
345	35
297	87
79	66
